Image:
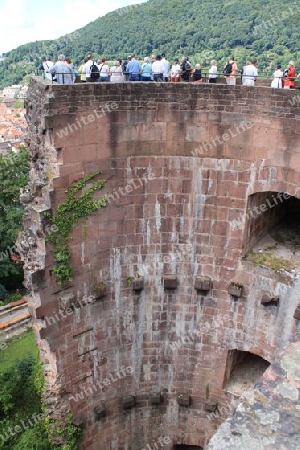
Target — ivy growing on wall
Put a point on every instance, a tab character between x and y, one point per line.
68	214
50	429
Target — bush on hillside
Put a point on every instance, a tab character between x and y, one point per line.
3	292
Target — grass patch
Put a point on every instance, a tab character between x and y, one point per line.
269	260
17	348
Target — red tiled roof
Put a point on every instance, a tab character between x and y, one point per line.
19	302
14	321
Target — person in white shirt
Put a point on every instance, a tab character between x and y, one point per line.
87	68
248	63
166	65
116	73
250	73
47	65
158	69
212	74
278	75
175	71
103	69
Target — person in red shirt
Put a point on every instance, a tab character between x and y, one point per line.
290	74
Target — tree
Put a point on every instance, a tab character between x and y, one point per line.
14	175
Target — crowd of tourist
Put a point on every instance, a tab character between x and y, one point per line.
158	68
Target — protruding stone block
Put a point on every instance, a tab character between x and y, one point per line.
235	289
138	284
202	283
66	300
297	313
155	399
183	399
269	298
98	290
78	422
211	405
37	279
100	412
43	333
170	281
128	401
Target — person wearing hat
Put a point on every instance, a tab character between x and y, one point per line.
116	73
175	71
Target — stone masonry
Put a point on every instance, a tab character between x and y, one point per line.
181	161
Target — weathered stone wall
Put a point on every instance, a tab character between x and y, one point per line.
182	161
268	418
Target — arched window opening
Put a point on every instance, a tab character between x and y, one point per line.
243	369
272	231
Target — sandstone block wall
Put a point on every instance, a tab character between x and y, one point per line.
182	161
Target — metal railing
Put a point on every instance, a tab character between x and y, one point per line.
205	75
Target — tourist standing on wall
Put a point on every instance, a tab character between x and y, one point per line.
289	76
69	62
81	71
47	65
146	70
166	66
124	67
158	68
175	71
197	76
185	69
230	71
243	78
62	71
103	70
87	67
278	74
250	73
212	74
134	69
116	73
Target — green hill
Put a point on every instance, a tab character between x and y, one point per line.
266	29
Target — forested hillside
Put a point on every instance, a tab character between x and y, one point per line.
267	29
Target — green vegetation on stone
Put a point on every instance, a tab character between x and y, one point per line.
68	214
269	260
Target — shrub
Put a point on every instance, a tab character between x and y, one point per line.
16	296
3	292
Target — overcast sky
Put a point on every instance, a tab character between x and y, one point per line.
23	21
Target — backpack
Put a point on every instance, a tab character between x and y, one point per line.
94	72
188	66
124	65
227	69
